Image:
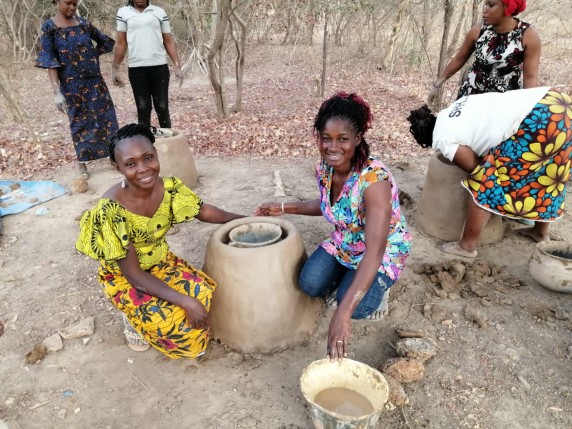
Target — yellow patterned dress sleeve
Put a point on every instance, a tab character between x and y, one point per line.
185	204
103	232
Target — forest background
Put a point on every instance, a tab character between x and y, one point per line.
294	52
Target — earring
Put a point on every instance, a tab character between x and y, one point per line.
123	184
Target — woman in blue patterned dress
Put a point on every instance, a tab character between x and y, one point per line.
67	51
365	254
505	48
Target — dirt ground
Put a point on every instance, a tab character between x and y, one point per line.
504	358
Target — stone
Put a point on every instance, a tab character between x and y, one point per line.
248	422
53	343
84	328
397	395
438	313
422	349
407	332
404	370
79	185
480	289
476	316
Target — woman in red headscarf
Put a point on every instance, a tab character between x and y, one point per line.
505	48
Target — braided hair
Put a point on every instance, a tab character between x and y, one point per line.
352	108
422	124
130	130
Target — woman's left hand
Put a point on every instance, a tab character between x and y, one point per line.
179	75
339	335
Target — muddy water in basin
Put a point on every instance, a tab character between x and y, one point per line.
344	401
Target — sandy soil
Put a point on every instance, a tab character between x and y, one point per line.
510	373
504	363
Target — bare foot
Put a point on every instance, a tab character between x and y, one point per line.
454	248
82	170
534	235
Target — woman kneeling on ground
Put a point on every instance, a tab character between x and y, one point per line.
517	147
362	259
165	299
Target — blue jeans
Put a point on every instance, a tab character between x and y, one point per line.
322	274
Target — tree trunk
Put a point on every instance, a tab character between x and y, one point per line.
444	42
16	110
322	88
388	60
240	53
215	50
474	19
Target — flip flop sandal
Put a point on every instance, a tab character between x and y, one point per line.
134	340
382	310
331	300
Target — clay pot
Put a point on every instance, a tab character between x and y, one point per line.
551	266
443	205
258	306
176	158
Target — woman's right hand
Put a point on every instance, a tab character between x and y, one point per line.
269	209
197	315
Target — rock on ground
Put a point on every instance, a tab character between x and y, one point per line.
422	349
397	395
83	328
404	370
53	343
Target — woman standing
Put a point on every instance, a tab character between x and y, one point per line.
505	48
67	51
144	29
165	299
364	255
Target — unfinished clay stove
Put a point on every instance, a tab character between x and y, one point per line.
258	306
443	204
175	157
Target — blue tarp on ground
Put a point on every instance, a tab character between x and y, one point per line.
19	195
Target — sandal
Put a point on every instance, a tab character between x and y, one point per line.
330	300
382	310
134	340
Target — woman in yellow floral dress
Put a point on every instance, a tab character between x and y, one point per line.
165	299
517	147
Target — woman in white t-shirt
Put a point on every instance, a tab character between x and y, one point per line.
145	31
517	147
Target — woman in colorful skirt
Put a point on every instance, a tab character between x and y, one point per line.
517	147
165	299
72	60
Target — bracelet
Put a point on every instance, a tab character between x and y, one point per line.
283	207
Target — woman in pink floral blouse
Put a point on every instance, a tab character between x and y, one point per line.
366	252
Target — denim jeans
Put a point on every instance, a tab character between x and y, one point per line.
322	274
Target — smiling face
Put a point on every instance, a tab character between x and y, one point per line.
67	7
337	142
136	158
493	12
